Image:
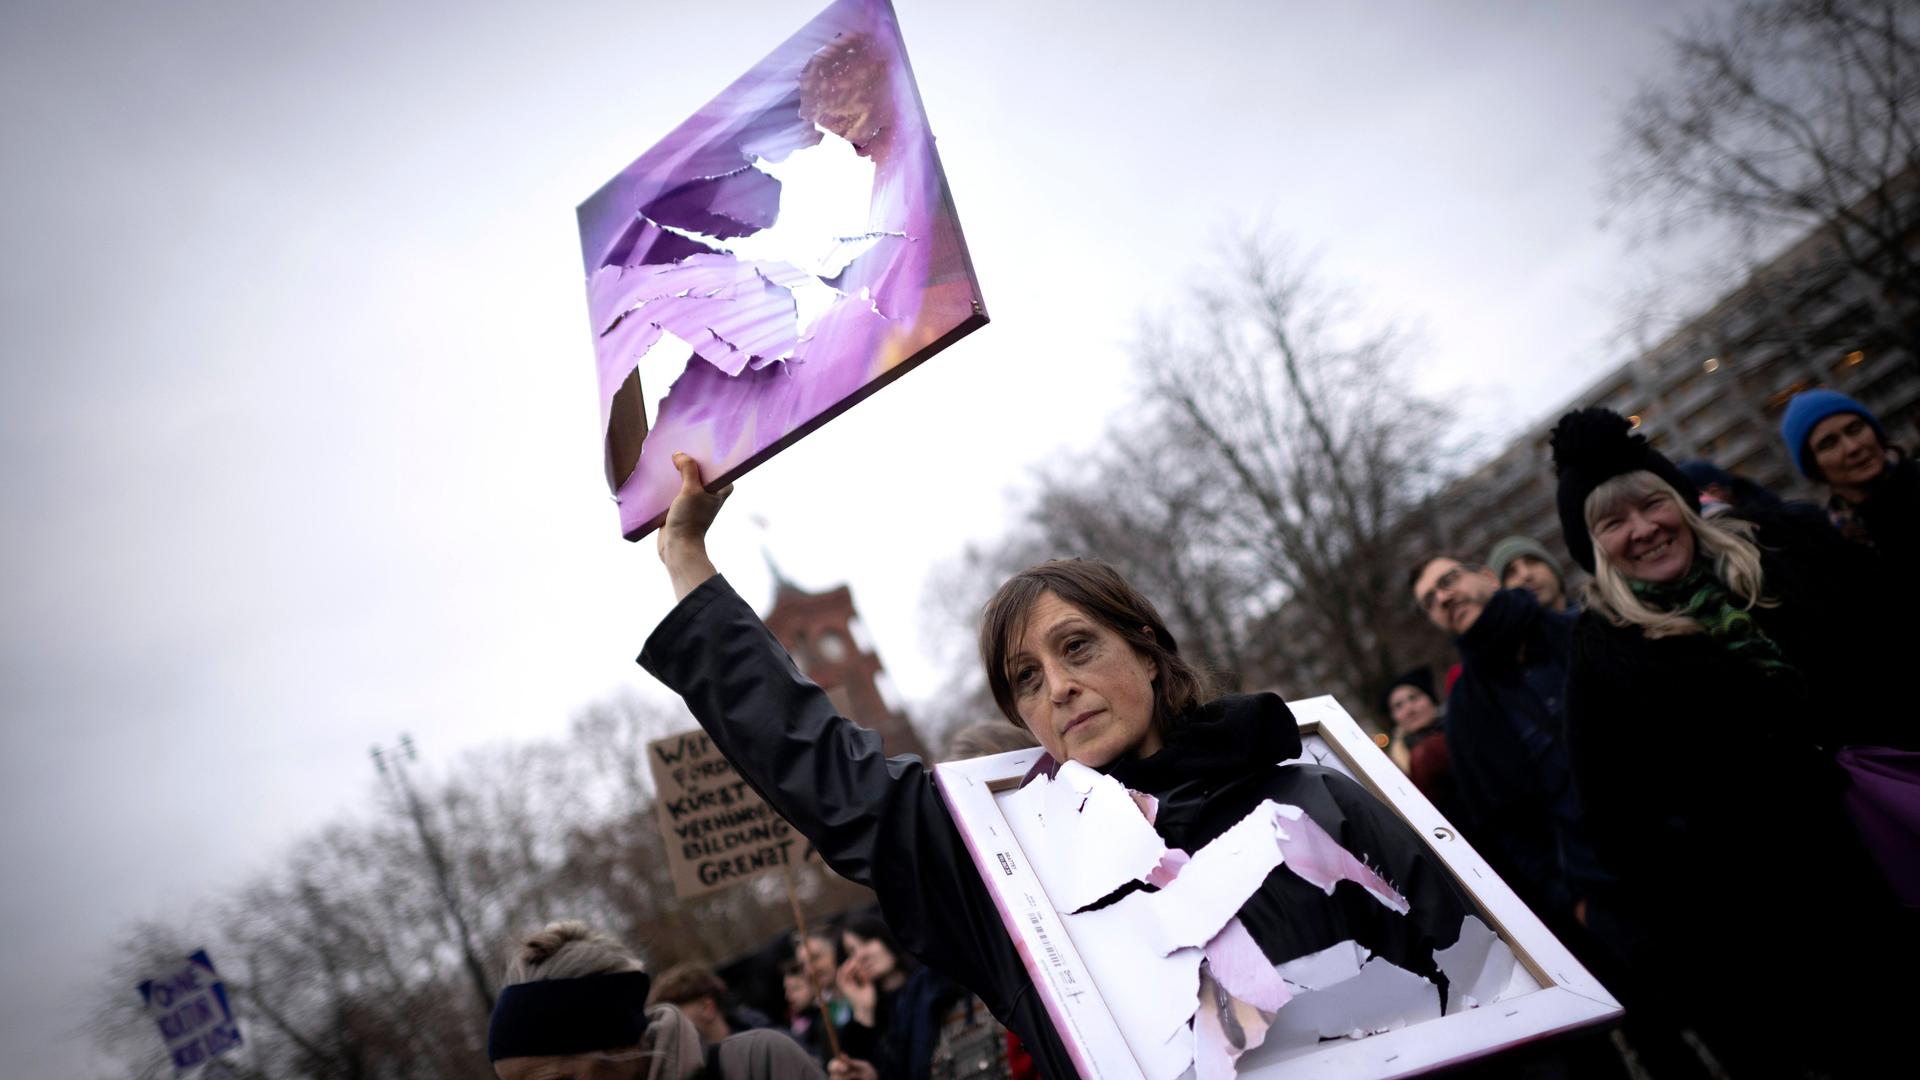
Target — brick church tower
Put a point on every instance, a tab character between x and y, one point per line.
822	633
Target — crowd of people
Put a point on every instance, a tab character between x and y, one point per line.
891	1017
1696	769
580	1005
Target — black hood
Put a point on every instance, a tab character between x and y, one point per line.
1219	739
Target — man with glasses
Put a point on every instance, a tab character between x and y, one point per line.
1506	740
1505	733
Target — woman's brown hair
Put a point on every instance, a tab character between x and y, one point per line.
1099	590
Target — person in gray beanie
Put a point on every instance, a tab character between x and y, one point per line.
1521	562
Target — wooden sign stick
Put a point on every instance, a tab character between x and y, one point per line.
819	990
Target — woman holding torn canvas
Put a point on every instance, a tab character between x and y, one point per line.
1082	661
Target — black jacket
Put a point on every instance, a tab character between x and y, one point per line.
910	1027
1888	521
1890	514
880	822
1506	738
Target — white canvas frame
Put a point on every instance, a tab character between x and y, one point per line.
1568	997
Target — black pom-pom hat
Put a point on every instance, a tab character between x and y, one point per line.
1591	447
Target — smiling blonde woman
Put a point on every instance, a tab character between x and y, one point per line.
1645	535
1716	671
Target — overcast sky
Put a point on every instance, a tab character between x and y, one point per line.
298	441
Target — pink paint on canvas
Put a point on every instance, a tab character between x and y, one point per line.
1238	964
722	237
1319	859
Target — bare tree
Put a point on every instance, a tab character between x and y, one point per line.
363	953
1261	493
1140	502
1300	412
120	1025
1783	119
407	802
1151	508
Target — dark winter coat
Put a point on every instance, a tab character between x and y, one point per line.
912	1021
1506	742
1712	795
880	822
1888	520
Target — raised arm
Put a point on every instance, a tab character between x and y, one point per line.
683	538
876	820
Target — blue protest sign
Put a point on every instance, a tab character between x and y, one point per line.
193	1012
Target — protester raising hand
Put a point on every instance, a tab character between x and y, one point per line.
1081	661
856	985
683	537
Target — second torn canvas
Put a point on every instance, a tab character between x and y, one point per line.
1152	965
783	253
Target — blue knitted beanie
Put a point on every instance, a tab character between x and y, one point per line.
1805	412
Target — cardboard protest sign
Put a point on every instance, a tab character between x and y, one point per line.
797	235
718	831
191	1007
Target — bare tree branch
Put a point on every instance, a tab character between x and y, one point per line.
1784	118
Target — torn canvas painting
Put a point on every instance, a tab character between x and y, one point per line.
1188	986
1170	938
784	252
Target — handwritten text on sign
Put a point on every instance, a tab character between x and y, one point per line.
718	831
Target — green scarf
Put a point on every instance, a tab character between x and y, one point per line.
1704	598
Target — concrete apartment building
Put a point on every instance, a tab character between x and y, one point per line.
1714	389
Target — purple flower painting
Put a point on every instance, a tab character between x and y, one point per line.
792	315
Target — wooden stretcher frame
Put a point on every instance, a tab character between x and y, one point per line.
1568	998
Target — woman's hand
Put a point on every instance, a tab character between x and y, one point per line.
857	987
683	537
846	1068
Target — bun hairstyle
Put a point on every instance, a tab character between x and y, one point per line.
572	991
568	949
1591	447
